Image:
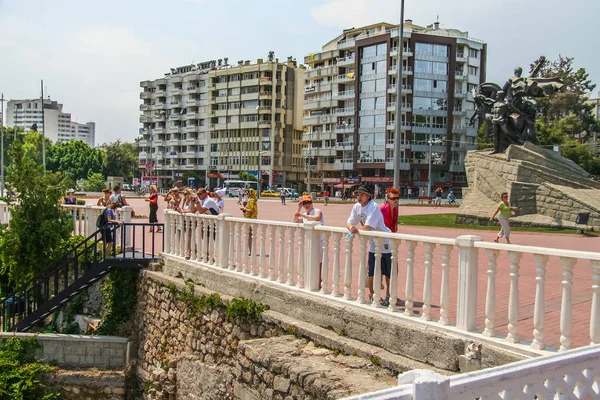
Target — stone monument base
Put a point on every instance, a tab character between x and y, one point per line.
550	190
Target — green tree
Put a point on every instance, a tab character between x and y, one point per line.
192	174
566	118
245	176
121	159
94	183
38	226
9	135
483	141
75	159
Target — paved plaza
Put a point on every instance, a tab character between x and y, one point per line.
336	215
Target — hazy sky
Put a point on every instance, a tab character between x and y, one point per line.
92	55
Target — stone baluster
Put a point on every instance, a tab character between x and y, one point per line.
213	241
301	257
348	269
445	285
595	314
239	248
244	255
377	273
566	306
205	238
180	235
261	262
410	277
427	285
167	232
253	254
513	298
325	263
90	220
272	270
335	276
539	309
362	268
394	274
490	296
290	260
281	258
187	237
231	226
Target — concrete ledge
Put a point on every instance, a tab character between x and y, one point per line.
82	351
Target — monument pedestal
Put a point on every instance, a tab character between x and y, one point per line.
549	189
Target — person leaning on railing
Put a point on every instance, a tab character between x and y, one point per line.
104	200
250	210
188	205
306	212
110	216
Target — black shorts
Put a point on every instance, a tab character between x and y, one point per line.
107	234
386	264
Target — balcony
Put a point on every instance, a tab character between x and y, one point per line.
346	61
174	129
250	82
343	165
159	93
188	166
343	129
459	94
319	152
344	146
158	131
460	75
191	115
174	142
462	57
190	128
145	95
324	71
318	119
459	112
406	70
145	118
144	107
344	78
143	143
406	89
190	141
174	92
318	104
459	129
316	57
345	44
190	154
348	111
346	94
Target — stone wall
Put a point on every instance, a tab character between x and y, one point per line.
182	353
81	351
90	384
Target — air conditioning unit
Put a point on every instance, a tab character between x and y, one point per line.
324	119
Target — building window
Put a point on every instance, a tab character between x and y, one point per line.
473	70
474	53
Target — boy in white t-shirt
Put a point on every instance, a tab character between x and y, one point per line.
366	215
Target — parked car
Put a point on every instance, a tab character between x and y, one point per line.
269	193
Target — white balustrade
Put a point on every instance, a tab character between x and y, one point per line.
573	374
410	277
513	298
539	308
490	299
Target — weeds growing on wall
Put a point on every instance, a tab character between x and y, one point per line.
20	373
120	293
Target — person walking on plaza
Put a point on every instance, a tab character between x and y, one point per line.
153	203
282	196
438	196
366	216
326	196
505	211
250	210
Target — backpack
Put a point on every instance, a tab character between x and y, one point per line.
101	220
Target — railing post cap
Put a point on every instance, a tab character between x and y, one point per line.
311	224
419	376
224	215
468	240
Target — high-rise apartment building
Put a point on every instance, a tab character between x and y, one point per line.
215	120
57	125
350	106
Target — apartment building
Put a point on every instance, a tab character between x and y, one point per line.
351	107
57	126
214	120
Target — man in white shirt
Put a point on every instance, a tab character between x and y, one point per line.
207	205
366	216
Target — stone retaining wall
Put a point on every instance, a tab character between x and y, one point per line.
204	355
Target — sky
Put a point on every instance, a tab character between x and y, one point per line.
92	55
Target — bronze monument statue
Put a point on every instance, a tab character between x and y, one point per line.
510	111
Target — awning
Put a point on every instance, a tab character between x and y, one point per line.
346	186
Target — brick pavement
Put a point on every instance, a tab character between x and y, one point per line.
336	215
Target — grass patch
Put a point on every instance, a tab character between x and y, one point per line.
449	221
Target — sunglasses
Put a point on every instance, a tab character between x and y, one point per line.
306	202
393	198
505	197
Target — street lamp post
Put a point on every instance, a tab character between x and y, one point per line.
258	150
398	100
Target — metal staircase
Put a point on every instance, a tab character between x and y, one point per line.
76	270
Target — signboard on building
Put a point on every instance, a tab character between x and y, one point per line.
135	181
351	180
149	180
378	179
332	180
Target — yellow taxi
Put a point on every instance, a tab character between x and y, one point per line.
269	193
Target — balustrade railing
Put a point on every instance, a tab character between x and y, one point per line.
452	275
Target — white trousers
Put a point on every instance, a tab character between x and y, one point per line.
504	227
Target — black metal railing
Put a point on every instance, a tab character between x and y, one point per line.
77	269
